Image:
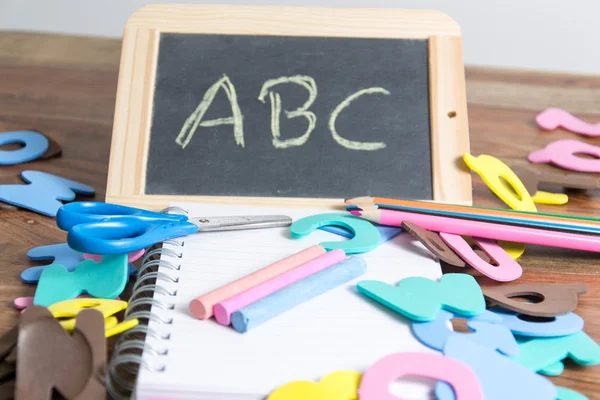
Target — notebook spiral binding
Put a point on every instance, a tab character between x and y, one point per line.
126	359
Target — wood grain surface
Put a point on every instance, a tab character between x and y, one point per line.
65	87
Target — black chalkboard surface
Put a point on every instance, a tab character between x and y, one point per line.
373	91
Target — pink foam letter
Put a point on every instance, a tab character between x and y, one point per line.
376	381
507	269
553	118
562	153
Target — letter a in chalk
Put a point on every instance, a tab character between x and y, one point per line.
310	85
191	124
43	193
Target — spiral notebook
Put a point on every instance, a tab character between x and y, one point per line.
186	358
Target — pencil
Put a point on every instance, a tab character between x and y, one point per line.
484	230
498	212
533	223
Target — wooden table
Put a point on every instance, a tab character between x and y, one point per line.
65	86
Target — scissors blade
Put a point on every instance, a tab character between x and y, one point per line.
207	224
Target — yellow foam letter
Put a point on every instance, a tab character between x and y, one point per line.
70	308
340	385
191	124
309	84
352	144
507	186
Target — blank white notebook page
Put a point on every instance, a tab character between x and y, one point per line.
338	330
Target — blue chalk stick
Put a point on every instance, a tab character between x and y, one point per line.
296	293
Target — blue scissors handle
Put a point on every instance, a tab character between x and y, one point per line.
73	214
125	235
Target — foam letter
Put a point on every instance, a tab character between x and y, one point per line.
71	308
500	377
568	394
376	381
340	385
366	236
60	254
563	153
557	298
487	328
35	145
420	299
106	279
43	193
528	326
73	365
309	84
507	186
553	118
191	124
352	144
506	270
434	243
539	353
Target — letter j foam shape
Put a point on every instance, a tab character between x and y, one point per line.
106	279
420	299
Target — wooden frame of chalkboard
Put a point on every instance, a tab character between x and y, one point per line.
449	137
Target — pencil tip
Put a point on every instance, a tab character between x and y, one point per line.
356	213
359	200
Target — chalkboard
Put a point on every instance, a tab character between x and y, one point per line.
293	106
213	162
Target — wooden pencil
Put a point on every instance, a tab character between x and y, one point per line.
381	202
485	230
541	224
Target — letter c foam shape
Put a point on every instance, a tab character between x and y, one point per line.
366	236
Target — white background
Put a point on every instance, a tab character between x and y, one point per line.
557	35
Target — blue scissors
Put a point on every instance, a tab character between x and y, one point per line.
104	228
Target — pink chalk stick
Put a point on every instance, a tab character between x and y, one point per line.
202	307
507	269
133	256
562	153
224	309
553	118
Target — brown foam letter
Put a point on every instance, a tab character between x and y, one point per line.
557	298
434	243
8	347
50	359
